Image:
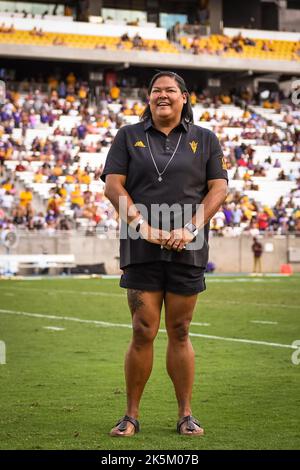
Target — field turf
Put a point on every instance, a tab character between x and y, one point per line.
64	389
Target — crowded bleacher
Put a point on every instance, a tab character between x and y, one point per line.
55	135
54	144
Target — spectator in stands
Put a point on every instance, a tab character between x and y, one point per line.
25	197
282	176
249	42
62	89
58	156
20	166
38	221
18	216
71	79
277	163
135	22
57	41
175	32
64	223
263	221
100	46
77	198
137	41
266	46
9	30
237	215
193	98
167	127
115	92
6	201
125	37
257	250
33	31
219	219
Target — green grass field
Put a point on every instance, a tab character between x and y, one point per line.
64	389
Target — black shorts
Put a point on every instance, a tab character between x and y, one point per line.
178	278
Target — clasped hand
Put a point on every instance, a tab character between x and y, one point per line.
175	240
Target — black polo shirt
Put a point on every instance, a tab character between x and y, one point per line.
199	158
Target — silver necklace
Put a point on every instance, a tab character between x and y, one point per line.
160	173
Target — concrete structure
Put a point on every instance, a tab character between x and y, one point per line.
229	254
144	58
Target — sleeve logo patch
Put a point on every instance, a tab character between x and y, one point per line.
139	143
224	164
194	146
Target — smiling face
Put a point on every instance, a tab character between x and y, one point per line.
166	100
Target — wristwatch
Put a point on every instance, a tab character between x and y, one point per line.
192	229
138	226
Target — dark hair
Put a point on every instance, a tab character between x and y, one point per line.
187	112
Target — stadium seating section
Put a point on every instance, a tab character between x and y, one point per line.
262	49
214	44
82	41
60	164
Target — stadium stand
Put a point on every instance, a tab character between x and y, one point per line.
54	146
40	38
245	48
55	136
237	46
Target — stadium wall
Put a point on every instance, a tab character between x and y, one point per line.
148	58
231	255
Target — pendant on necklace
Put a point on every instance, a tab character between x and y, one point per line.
159	178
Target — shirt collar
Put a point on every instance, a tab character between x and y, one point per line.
183	124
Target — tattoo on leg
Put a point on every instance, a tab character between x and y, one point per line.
135	300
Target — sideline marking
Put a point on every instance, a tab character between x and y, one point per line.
125	325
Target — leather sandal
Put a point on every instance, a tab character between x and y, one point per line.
192	426
121	426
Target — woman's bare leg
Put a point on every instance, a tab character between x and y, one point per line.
180	353
145	309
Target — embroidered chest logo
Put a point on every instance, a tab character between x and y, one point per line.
194	146
139	143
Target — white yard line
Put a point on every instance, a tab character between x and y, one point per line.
122	325
242	279
265	322
54	328
249	341
58	317
256	304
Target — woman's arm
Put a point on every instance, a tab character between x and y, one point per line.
114	190
217	193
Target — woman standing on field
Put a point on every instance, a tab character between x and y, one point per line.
164	160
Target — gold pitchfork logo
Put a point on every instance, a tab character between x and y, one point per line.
194	146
